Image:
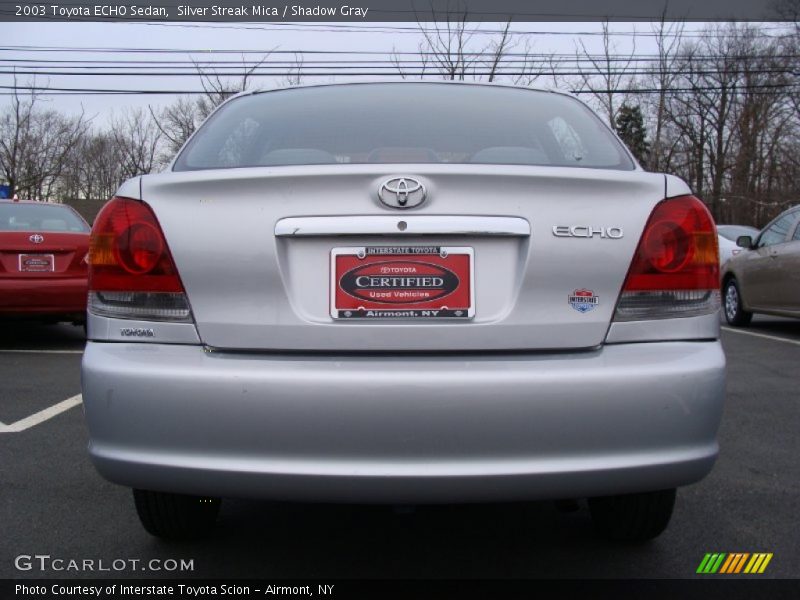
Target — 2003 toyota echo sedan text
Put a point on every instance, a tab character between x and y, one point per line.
404	293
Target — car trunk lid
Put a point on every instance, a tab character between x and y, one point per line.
38	254
550	249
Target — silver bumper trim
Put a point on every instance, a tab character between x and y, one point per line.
403	225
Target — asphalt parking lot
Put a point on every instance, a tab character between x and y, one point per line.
53	503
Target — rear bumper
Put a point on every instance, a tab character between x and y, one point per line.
627	417
43	297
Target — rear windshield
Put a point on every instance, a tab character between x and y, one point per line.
40	217
403	123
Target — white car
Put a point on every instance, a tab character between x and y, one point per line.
727	235
727	249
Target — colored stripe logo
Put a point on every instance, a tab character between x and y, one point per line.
734	563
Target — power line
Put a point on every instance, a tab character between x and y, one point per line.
207	51
416	30
57	91
354	57
393	58
359	71
689	89
556	57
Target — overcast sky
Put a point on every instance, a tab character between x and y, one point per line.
238	36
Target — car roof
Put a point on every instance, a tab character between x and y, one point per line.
44	202
490	84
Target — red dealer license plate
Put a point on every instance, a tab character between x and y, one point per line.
402	282
37	263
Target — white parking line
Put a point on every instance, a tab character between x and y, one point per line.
24	351
762	335
41	416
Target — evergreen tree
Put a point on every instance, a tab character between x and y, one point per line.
632	131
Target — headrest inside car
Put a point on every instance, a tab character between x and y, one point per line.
298	156
511	155
403	155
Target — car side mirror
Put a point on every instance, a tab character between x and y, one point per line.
744	241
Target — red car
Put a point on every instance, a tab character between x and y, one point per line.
43	262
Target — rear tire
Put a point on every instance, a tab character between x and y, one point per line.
735	313
632	517
176	516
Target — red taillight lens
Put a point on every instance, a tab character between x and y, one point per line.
667	246
675	271
128	251
678	249
143	250
131	271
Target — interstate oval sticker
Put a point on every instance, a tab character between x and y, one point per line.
399	282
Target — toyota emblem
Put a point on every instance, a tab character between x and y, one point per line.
36	238
402	192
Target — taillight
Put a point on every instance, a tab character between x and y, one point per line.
131	271
675	271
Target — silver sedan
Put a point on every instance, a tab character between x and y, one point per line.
404	293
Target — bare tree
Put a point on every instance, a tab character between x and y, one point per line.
35	144
668	36
94	168
446	42
422	62
731	123
606	79
701	112
765	122
498	49
217	89
137	138
178	121
15	126
529	68
450	49
295	75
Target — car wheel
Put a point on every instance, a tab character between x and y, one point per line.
734	313
632	517
175	516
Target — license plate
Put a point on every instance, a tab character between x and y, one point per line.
402	282
37	263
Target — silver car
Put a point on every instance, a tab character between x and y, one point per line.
404	293
765	276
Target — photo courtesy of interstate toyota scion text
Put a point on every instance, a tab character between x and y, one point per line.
404	293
